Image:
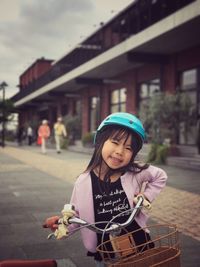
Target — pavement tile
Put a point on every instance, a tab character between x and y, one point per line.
183	210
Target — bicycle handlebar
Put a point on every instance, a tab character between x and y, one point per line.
69	218
114	226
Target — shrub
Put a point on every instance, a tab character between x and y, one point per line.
152	153
161	156
64	143
158	154
73	126
88	139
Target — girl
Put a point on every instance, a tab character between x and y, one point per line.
112	179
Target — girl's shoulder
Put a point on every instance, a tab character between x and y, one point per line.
146	167
146	173
152	173
154	169
82	178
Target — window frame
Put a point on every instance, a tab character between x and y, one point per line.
121	100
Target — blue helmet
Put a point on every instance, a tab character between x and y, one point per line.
126	120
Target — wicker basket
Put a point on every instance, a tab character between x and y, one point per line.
165	253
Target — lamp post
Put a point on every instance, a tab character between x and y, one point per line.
2	86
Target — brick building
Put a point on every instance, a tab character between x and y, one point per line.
152	45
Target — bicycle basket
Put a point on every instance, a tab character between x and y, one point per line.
161	251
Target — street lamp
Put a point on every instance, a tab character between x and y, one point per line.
2	86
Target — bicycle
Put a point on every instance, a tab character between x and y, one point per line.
28	263
125	253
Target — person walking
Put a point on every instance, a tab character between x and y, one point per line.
59	133
20	135
112	182
43	134
30	135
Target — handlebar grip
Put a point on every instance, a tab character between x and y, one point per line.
146	204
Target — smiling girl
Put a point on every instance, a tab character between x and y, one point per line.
113	178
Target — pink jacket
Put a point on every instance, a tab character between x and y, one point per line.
82	197
44	131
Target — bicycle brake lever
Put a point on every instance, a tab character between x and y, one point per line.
50	236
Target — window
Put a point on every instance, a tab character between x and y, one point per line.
188	87
94	113
146	91
189	79
149	88
118	100
188	83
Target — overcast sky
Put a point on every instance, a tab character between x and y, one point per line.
31	29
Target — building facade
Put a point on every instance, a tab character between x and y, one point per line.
148	47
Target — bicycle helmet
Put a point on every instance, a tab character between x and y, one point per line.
126	120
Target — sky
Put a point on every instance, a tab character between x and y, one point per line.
31	29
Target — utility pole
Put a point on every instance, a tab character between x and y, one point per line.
2	86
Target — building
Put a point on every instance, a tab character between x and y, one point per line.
152	45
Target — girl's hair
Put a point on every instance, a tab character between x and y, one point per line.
116	132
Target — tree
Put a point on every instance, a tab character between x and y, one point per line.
164	114
162	117
73	125
6	109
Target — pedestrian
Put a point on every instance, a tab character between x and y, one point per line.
30	135
20	135
59	133
113	179
43	135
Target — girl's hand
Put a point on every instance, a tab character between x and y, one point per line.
52	223
146	204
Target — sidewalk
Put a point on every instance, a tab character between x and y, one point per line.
35	186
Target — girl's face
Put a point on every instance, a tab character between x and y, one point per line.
117	153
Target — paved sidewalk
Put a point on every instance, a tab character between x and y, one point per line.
28	195
178	203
